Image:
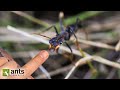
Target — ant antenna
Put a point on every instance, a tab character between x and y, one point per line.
42	35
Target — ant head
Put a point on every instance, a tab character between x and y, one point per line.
54	43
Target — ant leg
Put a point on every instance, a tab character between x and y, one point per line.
56	30
81	26
78	45
70	50
76	39
68	46
79	23
94	71
53	26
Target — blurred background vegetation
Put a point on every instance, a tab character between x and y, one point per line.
101	27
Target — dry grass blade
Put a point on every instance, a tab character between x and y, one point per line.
107	62
97	44
117	48
52	73
113	71
95	58
79	63
27	34
31	18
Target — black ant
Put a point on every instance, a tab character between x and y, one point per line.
64	35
